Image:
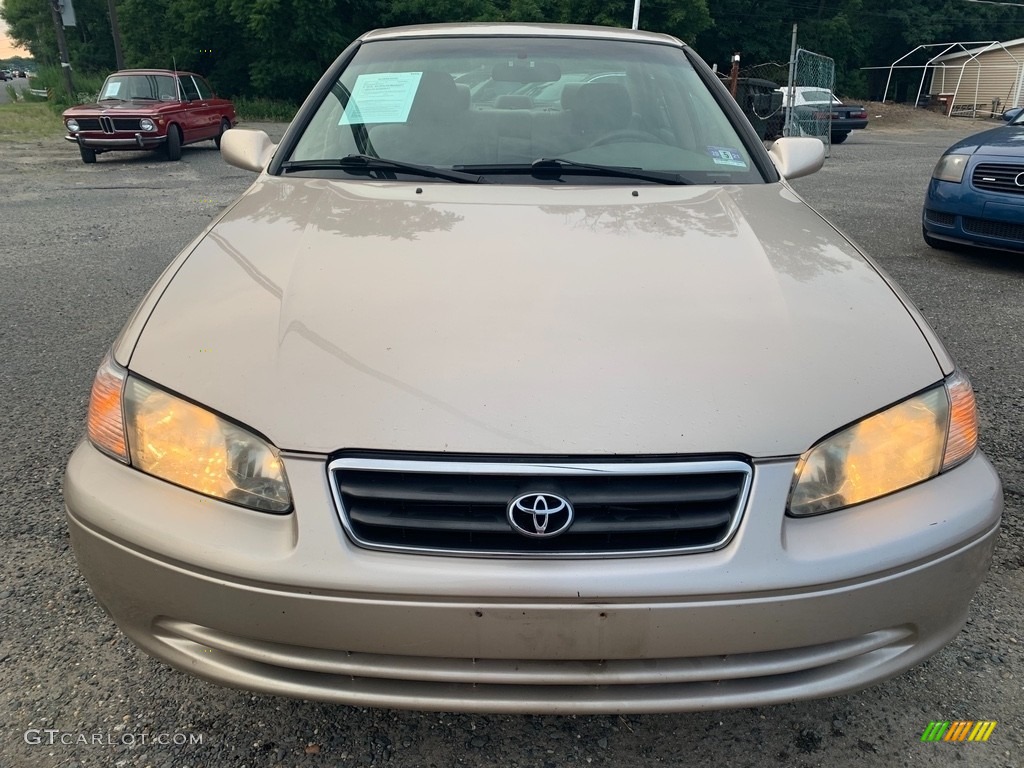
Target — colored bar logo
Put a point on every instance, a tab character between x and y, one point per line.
958	730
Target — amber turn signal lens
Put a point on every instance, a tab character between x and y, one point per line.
962	440
106	416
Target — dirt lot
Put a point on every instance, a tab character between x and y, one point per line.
886	115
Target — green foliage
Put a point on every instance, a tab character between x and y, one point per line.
682	18
90	43
264	110
23	121
87	86
855	33
31	97
276	49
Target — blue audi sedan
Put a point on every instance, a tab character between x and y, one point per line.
976	193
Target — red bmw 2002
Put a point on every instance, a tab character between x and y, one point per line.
149	109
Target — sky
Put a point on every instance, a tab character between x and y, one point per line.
7	48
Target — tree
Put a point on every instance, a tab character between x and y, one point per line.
278	48
90	43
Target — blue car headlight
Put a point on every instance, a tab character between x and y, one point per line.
951	168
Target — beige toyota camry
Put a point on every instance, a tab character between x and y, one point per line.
521	380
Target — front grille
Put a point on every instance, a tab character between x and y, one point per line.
994	228
937	217
126	123
625	508
109	124
999	177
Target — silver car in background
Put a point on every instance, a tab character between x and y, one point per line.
507	407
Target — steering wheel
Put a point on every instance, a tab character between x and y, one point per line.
626	134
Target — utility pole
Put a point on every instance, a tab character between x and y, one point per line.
62	45
734	74
636	14
790	88
115	30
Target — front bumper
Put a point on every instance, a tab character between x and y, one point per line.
136	141
791	609
957	213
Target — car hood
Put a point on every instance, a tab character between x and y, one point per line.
147	106
541	320
1005	140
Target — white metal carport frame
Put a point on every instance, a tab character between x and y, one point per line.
972	55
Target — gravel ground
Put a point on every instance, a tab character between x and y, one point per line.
79	245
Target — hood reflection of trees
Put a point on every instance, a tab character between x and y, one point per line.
794	240
703	214
329	206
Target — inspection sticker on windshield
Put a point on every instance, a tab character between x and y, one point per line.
385	97
727	156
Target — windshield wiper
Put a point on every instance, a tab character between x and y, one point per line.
356	163
554	166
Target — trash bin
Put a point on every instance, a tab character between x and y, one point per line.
944	101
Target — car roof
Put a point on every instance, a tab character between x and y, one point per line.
520	30
154	72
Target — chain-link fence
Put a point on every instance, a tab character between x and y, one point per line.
776	111
759	94
814	78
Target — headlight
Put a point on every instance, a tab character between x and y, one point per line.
183	443
146	124
905	444
72	125
951	168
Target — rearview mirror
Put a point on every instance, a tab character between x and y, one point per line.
526	71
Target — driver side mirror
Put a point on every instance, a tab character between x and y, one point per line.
245	149
797	156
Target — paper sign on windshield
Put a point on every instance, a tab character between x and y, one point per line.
112	89
385	97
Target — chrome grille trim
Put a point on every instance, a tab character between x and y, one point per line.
998	177
195	640
701	476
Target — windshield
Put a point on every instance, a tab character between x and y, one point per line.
816	97
489	105
803	96
145	87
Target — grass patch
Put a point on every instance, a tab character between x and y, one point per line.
264	110
87	86
26	121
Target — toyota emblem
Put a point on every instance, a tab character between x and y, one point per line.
540	515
